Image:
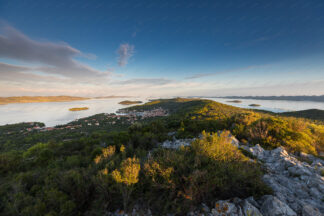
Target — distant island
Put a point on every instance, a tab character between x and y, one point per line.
38	99
78	109
254	105
111	96
235	101
128	102
313	98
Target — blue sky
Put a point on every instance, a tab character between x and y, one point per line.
163	48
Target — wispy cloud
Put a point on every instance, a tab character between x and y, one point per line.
200	75
125	52
18	74
8	68
145	81
53	58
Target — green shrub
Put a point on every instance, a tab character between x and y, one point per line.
211	168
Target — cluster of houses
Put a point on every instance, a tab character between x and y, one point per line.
130	117
148	113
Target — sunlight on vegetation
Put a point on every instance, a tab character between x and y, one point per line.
90	172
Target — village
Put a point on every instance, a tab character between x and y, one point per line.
126	118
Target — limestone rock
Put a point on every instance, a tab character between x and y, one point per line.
249	209
224	207
274	207
310	211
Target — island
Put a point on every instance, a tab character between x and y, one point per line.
128	102
254	105
78	109
235	101
39	99
111	97
181	149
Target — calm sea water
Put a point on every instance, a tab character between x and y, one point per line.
273	105
56	113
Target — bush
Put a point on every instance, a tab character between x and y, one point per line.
210	169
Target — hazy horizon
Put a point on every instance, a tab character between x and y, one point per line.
161	48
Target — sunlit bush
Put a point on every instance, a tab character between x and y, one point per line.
211	168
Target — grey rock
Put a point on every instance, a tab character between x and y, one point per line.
205	208
315	193
279	152
224	207
252	201
293	182
310	211
299	171
249	209
274	207
257	151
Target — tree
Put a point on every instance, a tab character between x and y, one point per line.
126	177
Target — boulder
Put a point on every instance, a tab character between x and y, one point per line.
279	152
310	211
274	207
299	170
224	207
249	209
257	151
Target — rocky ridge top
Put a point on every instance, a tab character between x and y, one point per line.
296	181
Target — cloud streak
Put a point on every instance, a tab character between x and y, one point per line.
54	58
200	75
145	81
125	52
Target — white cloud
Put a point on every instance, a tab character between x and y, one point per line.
125	52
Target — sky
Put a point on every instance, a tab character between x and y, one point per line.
161	48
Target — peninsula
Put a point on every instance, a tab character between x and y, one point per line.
39	99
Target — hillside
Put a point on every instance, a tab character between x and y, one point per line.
38	99
313	114
110	164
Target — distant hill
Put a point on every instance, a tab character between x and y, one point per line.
313	114
37	99
112	96
290	98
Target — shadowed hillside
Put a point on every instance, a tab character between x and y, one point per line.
313	114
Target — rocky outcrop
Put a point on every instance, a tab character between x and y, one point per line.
272	206
295	180
296	183
176	143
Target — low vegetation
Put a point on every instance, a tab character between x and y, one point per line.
313	114
103	167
